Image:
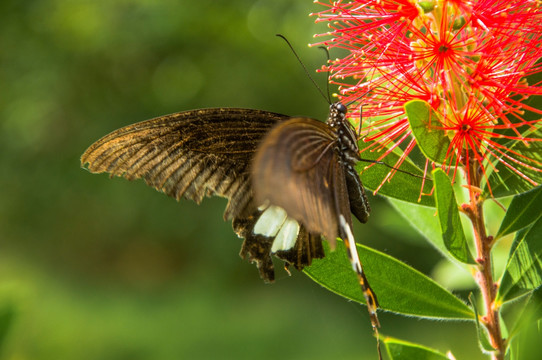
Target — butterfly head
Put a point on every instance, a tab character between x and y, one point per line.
337	114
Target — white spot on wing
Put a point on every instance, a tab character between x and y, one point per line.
264	206
270	221
287	236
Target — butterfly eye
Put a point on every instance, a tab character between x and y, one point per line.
341	108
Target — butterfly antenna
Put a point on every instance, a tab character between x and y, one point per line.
305	68
328	73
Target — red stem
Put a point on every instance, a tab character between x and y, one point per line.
484	275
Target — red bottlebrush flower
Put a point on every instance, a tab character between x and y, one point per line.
467	59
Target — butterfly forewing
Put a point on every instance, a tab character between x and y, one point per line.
191	154
293	169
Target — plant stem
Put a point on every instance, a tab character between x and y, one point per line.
484	275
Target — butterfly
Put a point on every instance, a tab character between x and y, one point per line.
289	181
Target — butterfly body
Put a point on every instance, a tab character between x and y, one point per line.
289	180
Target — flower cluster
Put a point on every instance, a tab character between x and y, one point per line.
469	60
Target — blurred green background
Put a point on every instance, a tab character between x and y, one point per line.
93	268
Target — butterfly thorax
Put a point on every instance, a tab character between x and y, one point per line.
346	137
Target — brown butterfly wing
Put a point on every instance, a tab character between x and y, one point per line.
190	154
297	168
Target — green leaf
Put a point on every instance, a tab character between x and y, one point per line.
425	126
504	181
403	350
450	222
483	339
424	220
400	288
523	272
532	312
524	209
526	344
402	186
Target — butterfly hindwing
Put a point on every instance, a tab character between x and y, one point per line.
258	248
